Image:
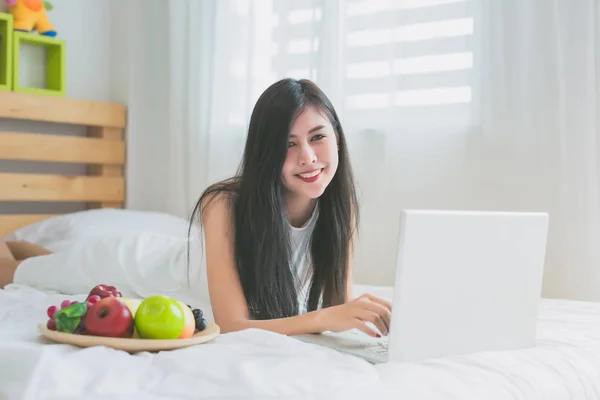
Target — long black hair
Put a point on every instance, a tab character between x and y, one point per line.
261	226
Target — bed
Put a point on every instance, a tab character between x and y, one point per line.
253	364
102	152
565	364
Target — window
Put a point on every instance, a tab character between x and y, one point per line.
411	60
408	63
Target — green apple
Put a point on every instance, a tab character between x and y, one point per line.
159	317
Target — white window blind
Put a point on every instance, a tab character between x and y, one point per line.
392	63
409	62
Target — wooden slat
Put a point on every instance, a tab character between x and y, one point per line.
54	148
61	110
42	187
11	222
106	134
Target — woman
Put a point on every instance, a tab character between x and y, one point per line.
279	235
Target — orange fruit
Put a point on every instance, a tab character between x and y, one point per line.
190	323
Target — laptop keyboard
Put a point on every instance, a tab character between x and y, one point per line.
366	343
354	342
378	348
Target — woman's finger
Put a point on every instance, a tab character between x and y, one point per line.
375	319
380	310
360	325
379	300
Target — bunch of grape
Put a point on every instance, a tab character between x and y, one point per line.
201	323
92	300
52	310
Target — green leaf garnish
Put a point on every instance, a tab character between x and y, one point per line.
68	319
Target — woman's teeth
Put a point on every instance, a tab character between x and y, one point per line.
310	174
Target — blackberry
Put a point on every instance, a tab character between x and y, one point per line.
201	324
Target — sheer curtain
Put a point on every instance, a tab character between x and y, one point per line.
400	74
463	104
538	146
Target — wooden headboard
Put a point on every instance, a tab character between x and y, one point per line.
102	151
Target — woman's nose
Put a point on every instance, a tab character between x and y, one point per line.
307	155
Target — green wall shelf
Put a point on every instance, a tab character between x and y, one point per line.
55	63
6	53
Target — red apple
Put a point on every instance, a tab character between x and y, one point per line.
104	291
109	317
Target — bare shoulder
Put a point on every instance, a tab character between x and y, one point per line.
216	216
216	210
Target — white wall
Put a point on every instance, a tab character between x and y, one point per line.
140	78
88	71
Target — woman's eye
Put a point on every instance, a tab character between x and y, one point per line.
318	136
290	144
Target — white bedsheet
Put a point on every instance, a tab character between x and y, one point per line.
257	364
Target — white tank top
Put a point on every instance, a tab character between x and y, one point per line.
301	261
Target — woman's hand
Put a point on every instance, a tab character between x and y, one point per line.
355	314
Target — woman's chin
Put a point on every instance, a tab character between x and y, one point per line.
310	194
313	193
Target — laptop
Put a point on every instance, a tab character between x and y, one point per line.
465	282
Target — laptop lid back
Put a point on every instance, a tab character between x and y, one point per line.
466	282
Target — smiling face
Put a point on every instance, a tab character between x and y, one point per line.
312	155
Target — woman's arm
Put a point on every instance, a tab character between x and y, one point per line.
229	304
227	297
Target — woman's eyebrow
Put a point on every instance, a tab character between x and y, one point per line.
316	128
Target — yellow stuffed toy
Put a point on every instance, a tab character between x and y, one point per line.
31	15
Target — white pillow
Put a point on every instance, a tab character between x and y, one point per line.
139	264
62	230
